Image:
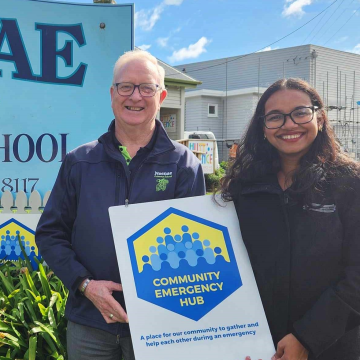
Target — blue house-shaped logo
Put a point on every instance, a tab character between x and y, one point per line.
183	263
10	231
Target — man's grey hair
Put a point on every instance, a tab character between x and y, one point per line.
139	55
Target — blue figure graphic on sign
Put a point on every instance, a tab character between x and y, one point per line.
10	231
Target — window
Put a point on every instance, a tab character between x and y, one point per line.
212	110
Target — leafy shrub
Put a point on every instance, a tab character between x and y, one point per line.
213	180
32	306
224	165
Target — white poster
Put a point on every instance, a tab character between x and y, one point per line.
188	284
169	122
206	150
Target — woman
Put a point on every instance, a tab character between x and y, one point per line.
297	196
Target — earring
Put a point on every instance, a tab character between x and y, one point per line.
320	128
264	136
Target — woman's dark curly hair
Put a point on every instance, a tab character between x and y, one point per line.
256	157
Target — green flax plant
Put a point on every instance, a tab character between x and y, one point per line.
32	306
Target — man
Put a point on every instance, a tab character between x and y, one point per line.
74	234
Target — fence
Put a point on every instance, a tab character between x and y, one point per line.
21	203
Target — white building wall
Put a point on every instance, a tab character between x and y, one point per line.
240	110
332	72
257	70
172	105
196	115
193	113
173	98
336	75
251	70
214	124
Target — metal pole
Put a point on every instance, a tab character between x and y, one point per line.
346	125
341	123
337	95
357	120
327	90
259	80
340	91
315	71
226	93
226	99
353	120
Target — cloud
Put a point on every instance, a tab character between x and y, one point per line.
144	47
342	39
268	48
356	49
295	7
163	41
191	52
173	2
146	19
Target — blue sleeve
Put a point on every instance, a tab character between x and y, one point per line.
55	229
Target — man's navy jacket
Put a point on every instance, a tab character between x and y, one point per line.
74	234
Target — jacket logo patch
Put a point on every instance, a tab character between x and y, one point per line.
320	208
161	184
163	174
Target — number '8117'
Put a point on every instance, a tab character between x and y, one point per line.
15	185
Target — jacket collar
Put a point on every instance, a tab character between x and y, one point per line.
161	144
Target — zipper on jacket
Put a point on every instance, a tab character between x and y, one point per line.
285	202
286	198
117	185
120	169
128	193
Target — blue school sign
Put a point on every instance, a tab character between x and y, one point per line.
56	62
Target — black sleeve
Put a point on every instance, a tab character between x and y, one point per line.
338	309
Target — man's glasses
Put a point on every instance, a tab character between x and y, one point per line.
301	115
127	89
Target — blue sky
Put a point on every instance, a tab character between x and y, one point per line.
185	31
